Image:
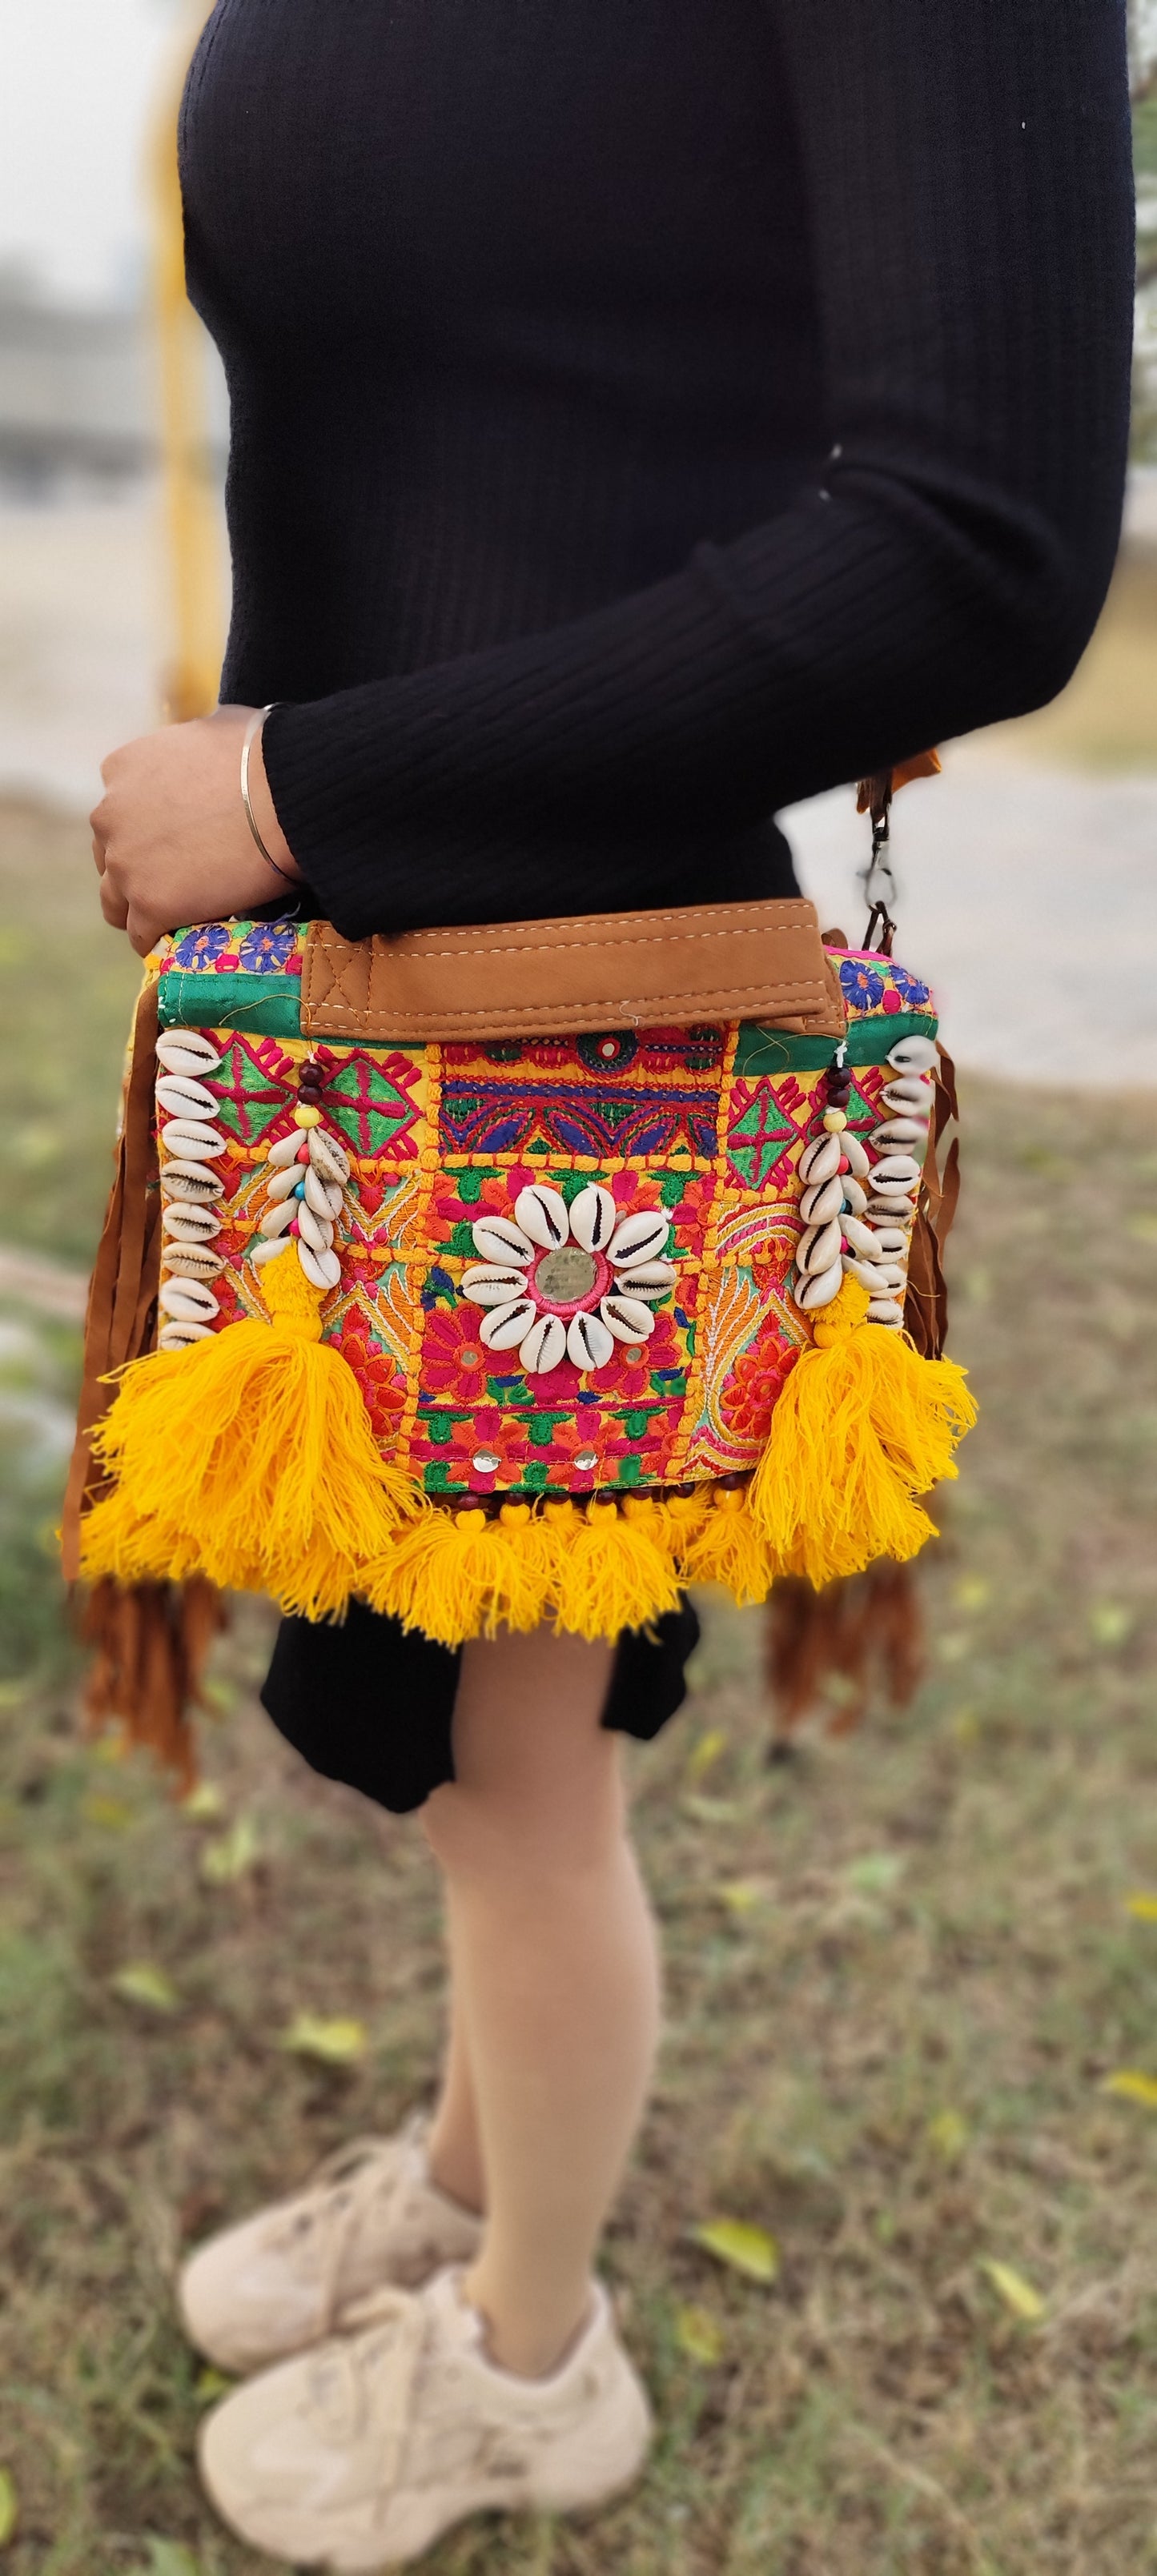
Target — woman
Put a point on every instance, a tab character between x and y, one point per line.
642	417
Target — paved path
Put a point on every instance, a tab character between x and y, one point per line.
1028	896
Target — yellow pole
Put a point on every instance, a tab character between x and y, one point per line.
189	496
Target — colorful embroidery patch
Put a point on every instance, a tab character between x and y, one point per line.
565	1265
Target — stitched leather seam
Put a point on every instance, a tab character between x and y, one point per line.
551	948
796	996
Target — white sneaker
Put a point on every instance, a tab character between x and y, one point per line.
371	2217
361	2453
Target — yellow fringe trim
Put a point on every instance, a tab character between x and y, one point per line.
862	1427
249	1458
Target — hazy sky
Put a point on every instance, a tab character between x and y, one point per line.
78	79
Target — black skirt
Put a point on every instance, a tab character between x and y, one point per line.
368	1704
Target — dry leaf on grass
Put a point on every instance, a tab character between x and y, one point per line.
948	2134
170	2558
140	1981
1017	2293
704	1753
743	2248
698	2334
743	1895
204	1804
9	2508
1133	2085
337	2043
231	1855
210	2385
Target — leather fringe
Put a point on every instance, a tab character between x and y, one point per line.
149	1640
867	1632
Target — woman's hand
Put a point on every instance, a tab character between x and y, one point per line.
170	836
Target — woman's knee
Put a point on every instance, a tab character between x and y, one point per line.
508	1832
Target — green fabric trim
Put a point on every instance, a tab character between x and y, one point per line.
270	1006
776	1051
267	1005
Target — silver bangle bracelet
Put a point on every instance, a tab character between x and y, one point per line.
252	730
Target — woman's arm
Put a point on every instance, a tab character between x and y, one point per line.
969	207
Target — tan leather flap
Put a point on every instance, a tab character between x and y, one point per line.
723	961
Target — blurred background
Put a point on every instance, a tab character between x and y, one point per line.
911	2052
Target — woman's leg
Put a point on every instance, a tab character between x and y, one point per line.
455	2148
554	1964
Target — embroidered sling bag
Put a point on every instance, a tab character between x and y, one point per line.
532	1272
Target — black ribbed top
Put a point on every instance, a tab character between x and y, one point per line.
648	412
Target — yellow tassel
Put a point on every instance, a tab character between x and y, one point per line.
729	1548
861	1428
248	1458
459	1574
614	1568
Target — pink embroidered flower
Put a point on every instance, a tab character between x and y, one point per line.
568	1282
455	1364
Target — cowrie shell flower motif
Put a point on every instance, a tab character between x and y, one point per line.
561	1282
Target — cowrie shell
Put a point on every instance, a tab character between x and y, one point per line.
193	1261
855	1155
896	1210
589	1342
819	1288
818	1248
913	1055
313	1229
278	1218
187	1301
191	1140
186	1051
175	1336
322	1269
180	1097
286	1149
648	1279
328	1157
884	1310
640	1237
498	1240
627	1319
282	1185
190	1224
895	1171
823	1200
593	1217
544	1345
268	1248
892	1278
820	1159
855	1197
507	1325
542	1215
868	1273
190	1181
909	1095
324	1197
899	1131
892	1242
487	1284
861	1238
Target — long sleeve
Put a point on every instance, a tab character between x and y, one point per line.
968	222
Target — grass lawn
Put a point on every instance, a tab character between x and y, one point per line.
900	1966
